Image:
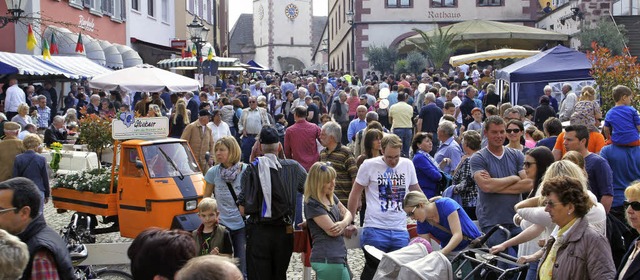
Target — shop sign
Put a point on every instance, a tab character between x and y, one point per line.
443	15
178	44
126	126
86	24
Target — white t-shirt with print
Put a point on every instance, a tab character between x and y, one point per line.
385	189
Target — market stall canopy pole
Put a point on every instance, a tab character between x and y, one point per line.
144	78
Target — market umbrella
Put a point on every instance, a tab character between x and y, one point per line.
490	55
487	34
144	78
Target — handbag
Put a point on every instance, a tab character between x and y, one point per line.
444	183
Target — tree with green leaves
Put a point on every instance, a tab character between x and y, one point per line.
416	62
382	59
440	46
605	33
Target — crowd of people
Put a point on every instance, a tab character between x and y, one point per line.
369	152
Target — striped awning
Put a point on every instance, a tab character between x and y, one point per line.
191	62
79	65
25	64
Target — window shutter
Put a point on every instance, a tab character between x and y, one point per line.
190	5
123	9
209	11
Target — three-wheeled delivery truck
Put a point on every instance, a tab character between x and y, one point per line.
159	183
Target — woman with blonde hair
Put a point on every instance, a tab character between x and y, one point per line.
33	166
586	110
179	119
71	116
154	111
224	183
326	218
23	118
628	267
532	210
445	220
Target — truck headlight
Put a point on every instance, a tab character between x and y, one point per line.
190	205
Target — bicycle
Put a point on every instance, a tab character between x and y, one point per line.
74	237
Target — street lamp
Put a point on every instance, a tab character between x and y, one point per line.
198	33
350	19
15	8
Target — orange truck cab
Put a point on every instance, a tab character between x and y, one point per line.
159	185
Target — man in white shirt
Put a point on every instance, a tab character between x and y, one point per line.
569	101
302	93
385	181
15	96
218	128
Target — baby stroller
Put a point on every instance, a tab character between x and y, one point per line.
476	263
411	262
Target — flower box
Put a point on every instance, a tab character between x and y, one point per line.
85	201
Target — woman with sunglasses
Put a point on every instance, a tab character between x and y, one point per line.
515	130
574	250
629	268
326	218
444	220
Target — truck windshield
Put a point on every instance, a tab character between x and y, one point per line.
159	166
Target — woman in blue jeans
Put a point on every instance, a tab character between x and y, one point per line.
327	218
223	183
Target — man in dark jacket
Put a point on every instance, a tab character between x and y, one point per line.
56	132
19	215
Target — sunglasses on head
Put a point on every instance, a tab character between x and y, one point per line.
515	130
635	205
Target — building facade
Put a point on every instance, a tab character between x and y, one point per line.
354	26
214	15
100	21
150	28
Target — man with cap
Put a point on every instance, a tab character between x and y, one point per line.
270	186
199	137
10	147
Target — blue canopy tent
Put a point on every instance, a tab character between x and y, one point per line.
528	77
255	67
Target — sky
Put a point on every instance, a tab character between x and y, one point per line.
237	7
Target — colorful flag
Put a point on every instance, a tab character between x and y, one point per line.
53	48
79	45
45	50
194	51
210	54
31	39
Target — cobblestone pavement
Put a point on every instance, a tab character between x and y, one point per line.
295	272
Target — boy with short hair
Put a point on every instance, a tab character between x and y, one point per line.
622	123
211	237
476	125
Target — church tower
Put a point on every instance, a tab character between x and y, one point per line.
282	33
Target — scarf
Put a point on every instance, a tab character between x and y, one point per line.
229	174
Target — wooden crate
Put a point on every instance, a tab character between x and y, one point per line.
85	202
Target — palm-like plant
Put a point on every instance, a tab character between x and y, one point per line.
440	46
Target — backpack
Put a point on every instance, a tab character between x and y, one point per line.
281	209
235	119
